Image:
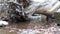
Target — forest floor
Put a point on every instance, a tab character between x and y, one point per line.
30	28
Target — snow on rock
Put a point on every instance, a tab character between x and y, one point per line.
3	23
35	18
39	0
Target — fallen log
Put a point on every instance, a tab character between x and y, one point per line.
50	11
42	10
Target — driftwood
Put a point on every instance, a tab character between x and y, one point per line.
43	10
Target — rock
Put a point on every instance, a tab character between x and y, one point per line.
28	31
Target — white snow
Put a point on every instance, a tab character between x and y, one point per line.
3	23
35	17
58	10
39	0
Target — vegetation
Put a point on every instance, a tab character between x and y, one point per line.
57	17
14	11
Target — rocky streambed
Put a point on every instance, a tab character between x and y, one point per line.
32	28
